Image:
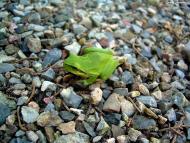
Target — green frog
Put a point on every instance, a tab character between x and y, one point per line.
93	64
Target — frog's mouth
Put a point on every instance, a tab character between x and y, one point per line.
75	71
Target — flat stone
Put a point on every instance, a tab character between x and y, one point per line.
32	136
141	122
79	29
11	49
133	134
117	131
21	100
34	45
49	74
148	100
4	100
5	67
112	103
127	107
34	18
67	128
67	116
49	134
112	118
89	129
96	95
74	48
4	112
180	100
71	98
171	115
102	127
121	91
127	77
76	137
29	114
47	85
48	119
52	57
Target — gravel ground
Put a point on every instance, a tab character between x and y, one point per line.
147	98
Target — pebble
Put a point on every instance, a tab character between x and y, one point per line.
111	140
4	112
74	48
112	103
49	74
89	129
127	107
22	100
49	134
133	134
32	136
117	131
47	85
121	91
71	98
11	49
102	127
41	136
157	94
37	82
144	90
136	29
14	80
180	100
67	128
5	67
182	65
29	114
96	96
79	29
143	123
48	119
113	118
52	57
96	139
171	115
19	86
26	78
34	45
186	50
122	139
127	77
67	116
180	73
34	18
76	137
4	100
178	85
147	100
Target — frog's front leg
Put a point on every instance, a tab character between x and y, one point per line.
90	80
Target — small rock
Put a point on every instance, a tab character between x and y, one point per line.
111	140
144	90
182	65
180	100
136	29
186	50
122	139
34	105
42	138
14	80
52	57
141	122
26	78
20	86
171	115
117	131
19	133
113	118
133	134
157	94
74	48
148	100
47	85
34	45
96	139
21	100
32	136
121	91
67	128
176	84
10	120
96	96
34	18
76	137
86	22
71	98
165	77
180	73
89	129
48	119
11	49
112	103
127	107
67	116
127	77
79	29
97	19
4	112
36	81
4	100
5	67
29	114
49	74
102	127
49	134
